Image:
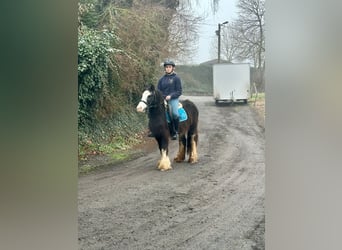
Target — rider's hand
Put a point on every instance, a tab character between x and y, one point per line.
167	97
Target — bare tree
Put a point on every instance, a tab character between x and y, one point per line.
183	29
229	45
250	31
183	33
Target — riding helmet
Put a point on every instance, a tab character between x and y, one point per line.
169	62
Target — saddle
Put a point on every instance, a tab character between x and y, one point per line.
181	114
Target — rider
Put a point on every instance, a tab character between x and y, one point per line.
170	86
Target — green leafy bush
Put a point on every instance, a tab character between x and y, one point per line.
94	49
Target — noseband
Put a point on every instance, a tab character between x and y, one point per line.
144	101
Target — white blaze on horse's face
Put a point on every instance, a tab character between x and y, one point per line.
142	105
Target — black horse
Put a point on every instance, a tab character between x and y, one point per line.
153	101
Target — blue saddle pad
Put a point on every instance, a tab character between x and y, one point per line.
181	113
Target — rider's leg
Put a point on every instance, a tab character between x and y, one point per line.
175	117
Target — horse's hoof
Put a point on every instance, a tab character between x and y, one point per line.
165	169
164	163
176	159
192	161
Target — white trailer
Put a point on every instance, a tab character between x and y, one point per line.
231	82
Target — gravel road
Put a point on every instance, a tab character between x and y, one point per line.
217	203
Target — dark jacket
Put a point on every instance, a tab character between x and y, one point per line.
170	84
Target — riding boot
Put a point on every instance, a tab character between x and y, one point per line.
171	129
175	123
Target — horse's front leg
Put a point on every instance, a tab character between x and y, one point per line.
164	163
181	150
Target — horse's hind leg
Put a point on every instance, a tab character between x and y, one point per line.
193	158
181	151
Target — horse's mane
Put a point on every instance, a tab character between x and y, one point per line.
156	99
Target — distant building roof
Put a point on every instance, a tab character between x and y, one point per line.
214	61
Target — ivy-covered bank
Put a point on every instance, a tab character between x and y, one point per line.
120	47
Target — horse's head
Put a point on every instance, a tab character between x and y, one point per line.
146	97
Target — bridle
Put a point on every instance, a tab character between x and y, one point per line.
143	101
152	104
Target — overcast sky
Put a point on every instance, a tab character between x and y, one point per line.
226	12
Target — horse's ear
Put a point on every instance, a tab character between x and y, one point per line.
151	88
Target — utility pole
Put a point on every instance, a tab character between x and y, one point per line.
218	33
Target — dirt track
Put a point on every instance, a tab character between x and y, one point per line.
217	203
